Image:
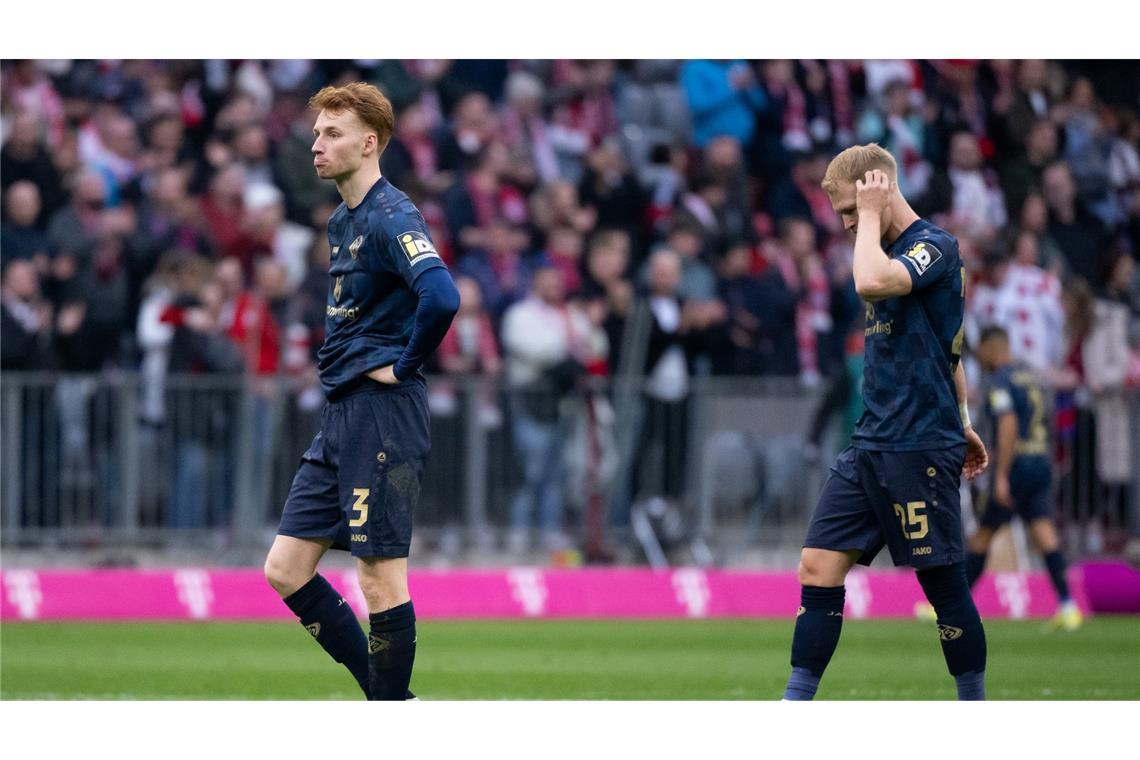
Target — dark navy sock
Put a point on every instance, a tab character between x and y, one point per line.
1055	562
391	652
971	687
818	624
329	618
959	627
975	563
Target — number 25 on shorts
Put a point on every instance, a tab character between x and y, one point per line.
913	519
360	508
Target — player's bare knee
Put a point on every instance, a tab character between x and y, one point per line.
383	582
1044	535
284	578
980	542
383	594
824	567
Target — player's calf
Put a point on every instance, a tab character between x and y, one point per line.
392	626
290	568
959	626
819	619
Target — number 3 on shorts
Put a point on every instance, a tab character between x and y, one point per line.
913	517
361	507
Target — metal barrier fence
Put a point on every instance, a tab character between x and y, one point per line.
718	477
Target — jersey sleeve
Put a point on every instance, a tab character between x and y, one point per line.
928	260
999	400
410	249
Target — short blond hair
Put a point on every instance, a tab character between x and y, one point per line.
854	163
364	100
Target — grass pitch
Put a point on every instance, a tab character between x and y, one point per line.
544	660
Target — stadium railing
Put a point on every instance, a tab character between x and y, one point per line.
206	461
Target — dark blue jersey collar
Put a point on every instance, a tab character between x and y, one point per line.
376	187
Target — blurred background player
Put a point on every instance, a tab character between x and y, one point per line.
1022	474
390	302
898	483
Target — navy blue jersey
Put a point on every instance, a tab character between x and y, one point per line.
913	344
378	250
1018	390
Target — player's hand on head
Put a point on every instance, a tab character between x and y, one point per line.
873	192
976	457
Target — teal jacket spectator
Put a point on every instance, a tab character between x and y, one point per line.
723	96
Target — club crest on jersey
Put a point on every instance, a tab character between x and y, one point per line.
337	288
354	246
416	246
923	256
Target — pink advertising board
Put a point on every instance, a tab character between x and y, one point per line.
530	592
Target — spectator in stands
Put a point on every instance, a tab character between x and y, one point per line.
169	218
698	280
1024	300
557	204
743	297
584	111
564	252
474	126
21	236
470	349
1086	148
977	208
529	134
613	192
164	143
1017	108
304	190
607	277
723	163
202	481
679	328
547	346
270	233
502	268
782	123
1035	222
1080	235
221	210
109	143
29	89
899	126
800	267
1021	172
479	198
24	157
723	97
801	196
1105	355
411	160
470	346
25	342
91	287
74	229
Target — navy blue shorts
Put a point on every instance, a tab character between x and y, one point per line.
1030	479
359	481
905	500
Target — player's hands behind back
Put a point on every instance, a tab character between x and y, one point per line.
873	192
976	457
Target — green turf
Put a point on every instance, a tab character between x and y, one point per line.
716	659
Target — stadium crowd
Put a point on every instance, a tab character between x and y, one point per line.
165	216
